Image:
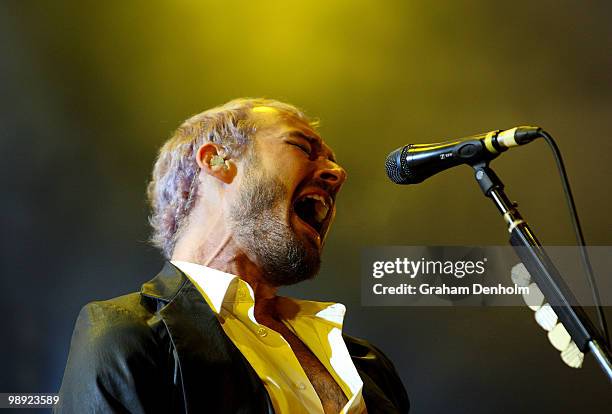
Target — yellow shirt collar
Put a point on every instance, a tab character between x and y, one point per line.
317	324
220	289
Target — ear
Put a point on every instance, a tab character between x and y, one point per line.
211	161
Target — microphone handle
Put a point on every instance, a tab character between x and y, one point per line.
421	161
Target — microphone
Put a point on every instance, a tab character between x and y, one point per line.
413	163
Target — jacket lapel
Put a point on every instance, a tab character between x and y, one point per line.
214	374
383	391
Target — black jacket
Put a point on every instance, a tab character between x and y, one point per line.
162	350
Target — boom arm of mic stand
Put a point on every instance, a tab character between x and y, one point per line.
544	272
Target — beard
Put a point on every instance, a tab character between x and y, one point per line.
261	229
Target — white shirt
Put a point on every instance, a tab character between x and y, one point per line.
317	324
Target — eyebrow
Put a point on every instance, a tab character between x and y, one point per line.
313	140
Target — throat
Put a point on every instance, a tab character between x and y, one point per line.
266	312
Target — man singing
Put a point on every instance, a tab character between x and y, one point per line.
242	198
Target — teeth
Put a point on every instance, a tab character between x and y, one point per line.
321	207
321	211
317	197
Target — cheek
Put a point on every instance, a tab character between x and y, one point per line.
289	169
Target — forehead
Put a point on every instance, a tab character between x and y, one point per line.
276	124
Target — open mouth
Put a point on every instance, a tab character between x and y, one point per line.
314	211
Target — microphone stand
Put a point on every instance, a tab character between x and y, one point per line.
544	272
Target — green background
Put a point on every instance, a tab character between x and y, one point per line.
90	90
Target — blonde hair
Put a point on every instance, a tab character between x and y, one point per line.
173	188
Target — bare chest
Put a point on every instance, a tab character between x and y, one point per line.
331	395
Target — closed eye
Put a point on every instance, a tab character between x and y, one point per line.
305	149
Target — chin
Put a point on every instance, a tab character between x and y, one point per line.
301	261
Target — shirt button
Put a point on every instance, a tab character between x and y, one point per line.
262	332
301	386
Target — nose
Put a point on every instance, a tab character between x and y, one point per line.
332	174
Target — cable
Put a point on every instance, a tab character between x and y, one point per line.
579	235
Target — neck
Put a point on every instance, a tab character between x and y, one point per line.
224	254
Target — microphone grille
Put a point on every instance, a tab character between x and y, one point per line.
396	165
